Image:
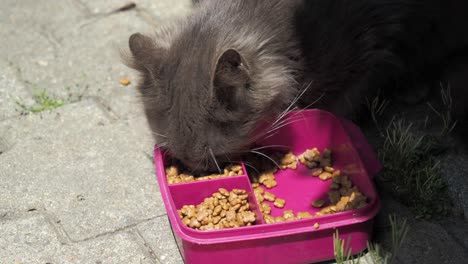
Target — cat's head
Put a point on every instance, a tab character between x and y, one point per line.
203	100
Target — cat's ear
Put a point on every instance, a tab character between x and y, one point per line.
146	55
231	77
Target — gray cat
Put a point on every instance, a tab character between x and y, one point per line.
210	79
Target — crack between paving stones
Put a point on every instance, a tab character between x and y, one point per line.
143	243
113	116
116	231
58	228
83	7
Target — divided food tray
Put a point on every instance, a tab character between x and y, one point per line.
286	242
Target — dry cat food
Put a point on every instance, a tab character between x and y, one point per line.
224	209
312	158
279	202
173	175
265	208
124	81
286	161
342	195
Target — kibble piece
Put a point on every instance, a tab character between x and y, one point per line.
337	179
266	208
266	176
224	192
269	196
334	196
186	220
238	191
236	168
279	219
258	190
248	217
336	173
316	172
329	169
194	223
243	208
269	219
318	203
342	203
316	225
303	215
216	219
201	215
325	162
279	203
288	214
218	195
345	182
289	161
325	176
236	207
270	183
191	211
172	171
223	213
259	198
255	185
124	81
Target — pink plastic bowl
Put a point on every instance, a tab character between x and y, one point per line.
288	242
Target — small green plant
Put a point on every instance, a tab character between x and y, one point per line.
42	102
377	108
445	115
412	167
342	249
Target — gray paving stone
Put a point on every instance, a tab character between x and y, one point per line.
84	58
33	240
11	90
159	11
45	16
93	176
455	170
157	233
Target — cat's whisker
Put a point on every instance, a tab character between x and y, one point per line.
283	125
266	156
214	159
157	134
314	102
293	102
271	135
300	111
285	121
250	165
162	144
204	158
271	146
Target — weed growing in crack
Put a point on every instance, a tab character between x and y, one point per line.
342	250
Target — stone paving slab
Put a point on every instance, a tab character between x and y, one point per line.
156	12
81	56
157	233
94	178
33	240
11	90
426	242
